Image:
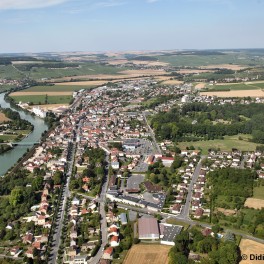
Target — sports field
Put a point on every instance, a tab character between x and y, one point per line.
147	254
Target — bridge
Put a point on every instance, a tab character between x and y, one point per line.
12	144
25	143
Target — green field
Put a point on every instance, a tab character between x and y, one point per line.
58	88
8	138
40	99
226	144
258	192
232	87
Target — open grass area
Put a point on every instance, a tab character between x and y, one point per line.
258	192
58	88
225	144
8	138
40	99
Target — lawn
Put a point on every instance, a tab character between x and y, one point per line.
40	99
258	192
225	144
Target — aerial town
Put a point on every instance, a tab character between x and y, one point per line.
106	179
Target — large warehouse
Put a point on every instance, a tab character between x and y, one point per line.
148	228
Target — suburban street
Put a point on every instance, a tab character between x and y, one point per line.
186	208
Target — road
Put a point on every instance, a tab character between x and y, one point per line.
61	213
103	223
152	134
186	208
242	164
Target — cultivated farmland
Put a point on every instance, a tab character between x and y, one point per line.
248	247
147	254
240	93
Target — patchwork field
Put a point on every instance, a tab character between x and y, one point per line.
241	93
254	203
224	144
3	118
147	254
248	247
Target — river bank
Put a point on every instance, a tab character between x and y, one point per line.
11	157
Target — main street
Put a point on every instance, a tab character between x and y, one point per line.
56	239
152	134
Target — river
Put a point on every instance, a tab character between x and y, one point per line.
9	158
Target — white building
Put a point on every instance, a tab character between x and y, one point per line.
39	112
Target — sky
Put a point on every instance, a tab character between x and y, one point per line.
123	25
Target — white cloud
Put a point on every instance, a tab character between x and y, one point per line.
28	4
152	1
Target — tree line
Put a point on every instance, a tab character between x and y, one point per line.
199	121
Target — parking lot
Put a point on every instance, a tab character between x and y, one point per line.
134	181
